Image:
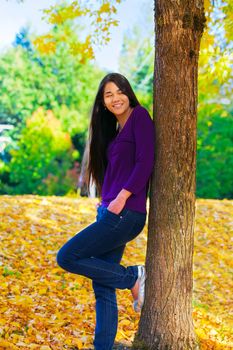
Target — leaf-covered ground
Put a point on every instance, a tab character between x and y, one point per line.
43	307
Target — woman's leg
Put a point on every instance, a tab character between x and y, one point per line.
106	306
95	252
112	231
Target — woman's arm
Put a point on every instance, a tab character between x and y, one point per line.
144	135
118	203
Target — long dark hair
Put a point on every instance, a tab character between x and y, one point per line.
102	129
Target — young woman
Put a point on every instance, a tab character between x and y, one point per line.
121	160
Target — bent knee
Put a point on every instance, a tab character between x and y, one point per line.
62	260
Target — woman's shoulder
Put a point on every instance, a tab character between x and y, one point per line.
143	125
142	113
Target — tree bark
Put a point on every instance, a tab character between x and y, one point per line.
166	319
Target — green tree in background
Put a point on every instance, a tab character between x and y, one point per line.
42	162
215	110
214	151
56	82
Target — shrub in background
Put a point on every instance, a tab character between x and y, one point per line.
42	162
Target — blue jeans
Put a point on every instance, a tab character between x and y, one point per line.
96	252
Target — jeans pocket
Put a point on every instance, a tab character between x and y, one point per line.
111	212
115	219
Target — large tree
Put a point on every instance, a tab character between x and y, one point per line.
166	319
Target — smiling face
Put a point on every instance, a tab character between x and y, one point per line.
115	101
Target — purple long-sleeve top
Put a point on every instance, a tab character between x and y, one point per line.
130	158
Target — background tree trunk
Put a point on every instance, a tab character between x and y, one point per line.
82	184
166	319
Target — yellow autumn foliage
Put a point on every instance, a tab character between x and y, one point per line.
42	307
99	18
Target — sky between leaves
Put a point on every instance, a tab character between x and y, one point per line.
14	15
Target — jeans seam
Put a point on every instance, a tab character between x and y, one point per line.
91	244
112	229
105	328
97	268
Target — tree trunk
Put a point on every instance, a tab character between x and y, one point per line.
166	319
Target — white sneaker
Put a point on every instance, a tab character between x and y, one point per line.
137	305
